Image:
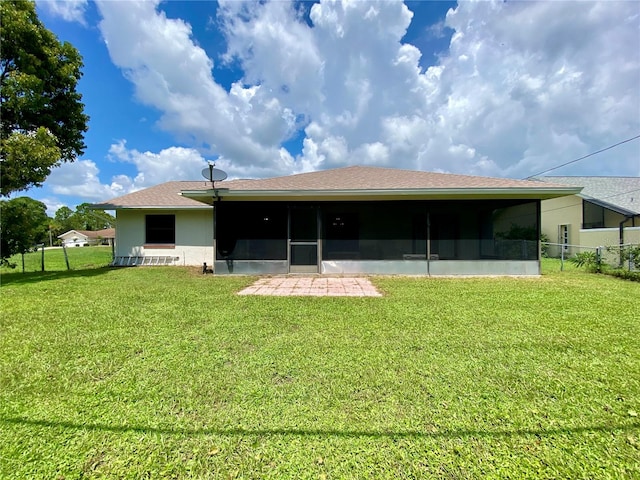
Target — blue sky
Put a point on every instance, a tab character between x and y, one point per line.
274	88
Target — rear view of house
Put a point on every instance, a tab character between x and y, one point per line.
344	221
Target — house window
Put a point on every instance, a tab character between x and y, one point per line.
160	229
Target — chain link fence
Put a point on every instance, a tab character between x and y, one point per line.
626	257
56	259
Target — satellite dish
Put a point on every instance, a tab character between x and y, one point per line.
213	174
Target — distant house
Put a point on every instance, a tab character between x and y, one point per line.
82	238
605	212
348	220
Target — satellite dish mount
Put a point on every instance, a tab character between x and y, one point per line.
213	174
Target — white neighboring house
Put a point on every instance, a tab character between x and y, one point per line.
82	238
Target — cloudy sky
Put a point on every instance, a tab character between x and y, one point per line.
268	88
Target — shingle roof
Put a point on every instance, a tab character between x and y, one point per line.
348	179
375	178
621	193
165	195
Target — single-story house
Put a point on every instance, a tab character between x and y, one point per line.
82	238
348	220
605	212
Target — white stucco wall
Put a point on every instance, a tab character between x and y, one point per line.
194	235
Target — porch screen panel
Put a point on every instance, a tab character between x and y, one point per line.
251	231
516	231
593	215
484	230
374	231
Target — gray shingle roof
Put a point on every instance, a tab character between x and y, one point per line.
375	178
165	195
621	193
347	179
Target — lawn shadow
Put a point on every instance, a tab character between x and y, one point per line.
268	432
19	278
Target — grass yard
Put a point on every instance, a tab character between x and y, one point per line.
80	258
161	372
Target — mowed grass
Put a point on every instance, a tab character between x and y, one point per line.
161	372
80	258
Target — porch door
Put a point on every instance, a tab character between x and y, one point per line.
303	243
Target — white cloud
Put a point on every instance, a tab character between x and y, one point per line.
170	72
69	10
523	87
174	163
81	179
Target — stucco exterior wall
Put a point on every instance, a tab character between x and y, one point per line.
562	211
598	237
194	235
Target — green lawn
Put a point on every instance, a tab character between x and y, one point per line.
80	258
161	372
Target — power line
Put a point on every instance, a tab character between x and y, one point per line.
582	158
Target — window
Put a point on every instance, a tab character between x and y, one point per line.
160	229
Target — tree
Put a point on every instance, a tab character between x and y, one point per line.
42	122
23	224
87	219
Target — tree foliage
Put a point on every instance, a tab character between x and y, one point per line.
83	218
23	224
42	122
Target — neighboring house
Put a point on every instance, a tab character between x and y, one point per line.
343	221
82	238
606	212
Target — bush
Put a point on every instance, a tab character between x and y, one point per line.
590	260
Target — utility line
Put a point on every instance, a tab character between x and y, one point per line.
582	158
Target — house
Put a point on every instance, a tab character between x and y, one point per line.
342	221
82	238
606	212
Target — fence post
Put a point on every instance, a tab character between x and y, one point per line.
66	259
561	258
41	245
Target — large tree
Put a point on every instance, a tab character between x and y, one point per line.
23	224
42	122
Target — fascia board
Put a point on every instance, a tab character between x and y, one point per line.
422	193
148	207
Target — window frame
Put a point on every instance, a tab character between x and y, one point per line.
154	235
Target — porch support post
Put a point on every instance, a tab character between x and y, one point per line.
428	243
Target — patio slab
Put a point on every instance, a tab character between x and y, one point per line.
312	287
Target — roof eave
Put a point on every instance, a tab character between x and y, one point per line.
384	194
111	206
